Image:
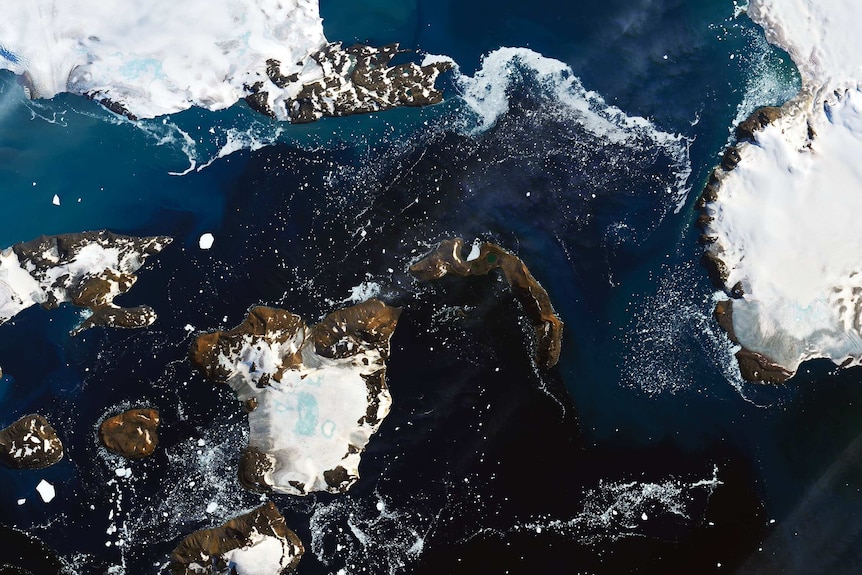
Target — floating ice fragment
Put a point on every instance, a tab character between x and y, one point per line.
22	501
56	200
46	491
206	241
123	472
212	507
644	516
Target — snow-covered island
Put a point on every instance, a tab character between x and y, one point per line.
30	443
314	395
148	60
482	259
781	212
88	269
256	543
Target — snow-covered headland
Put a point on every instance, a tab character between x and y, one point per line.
314	395
781	210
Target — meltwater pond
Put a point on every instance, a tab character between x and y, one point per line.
580	142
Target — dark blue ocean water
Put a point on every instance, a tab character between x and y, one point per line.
485	464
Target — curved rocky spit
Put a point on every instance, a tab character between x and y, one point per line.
314	395
256	542
346	81
30	443
448	258
87	269
132	434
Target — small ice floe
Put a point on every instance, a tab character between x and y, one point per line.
206	241
22	501
212	507
123	472
56	200
46	491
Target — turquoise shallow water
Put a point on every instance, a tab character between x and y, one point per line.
472	458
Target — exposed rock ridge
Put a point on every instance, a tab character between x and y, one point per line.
256	542
314	395
353	80
448	258
87	269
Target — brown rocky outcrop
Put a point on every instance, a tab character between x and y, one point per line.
448	258
758	120
277	325
215	550
30	443
355	80
132	434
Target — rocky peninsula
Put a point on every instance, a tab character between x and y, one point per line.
352	80
87	269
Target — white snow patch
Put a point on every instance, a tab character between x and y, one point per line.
266	555
475	251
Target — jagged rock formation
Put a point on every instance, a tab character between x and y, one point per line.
254	543
314	395
352	80
132	434
448	258
30	443
87	269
